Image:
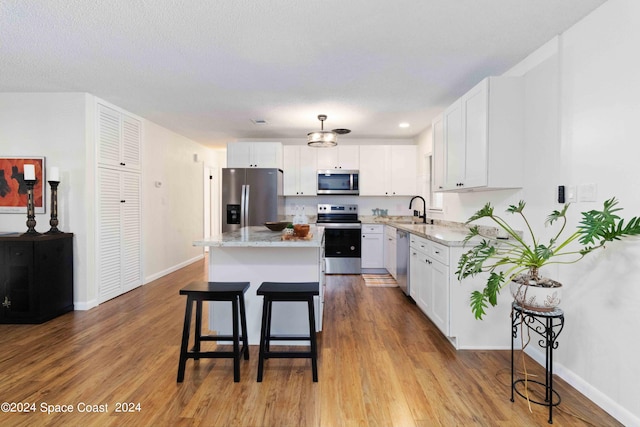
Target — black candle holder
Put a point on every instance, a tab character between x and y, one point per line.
31	211
53	222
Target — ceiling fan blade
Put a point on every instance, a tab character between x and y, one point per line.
342	131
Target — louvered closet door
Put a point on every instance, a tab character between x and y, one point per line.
131	232
109	235
119	139
108	136
131	137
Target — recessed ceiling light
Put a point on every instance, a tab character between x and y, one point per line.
404	125
259	122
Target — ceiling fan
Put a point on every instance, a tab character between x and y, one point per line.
325	138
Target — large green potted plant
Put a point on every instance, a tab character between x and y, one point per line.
517	259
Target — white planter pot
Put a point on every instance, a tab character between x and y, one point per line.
537	298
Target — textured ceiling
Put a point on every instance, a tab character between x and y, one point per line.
205	68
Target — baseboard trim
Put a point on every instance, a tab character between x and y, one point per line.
170	270
84	306
612	407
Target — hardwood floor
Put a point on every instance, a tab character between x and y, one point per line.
381	363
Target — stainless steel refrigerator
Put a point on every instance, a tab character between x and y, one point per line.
251	197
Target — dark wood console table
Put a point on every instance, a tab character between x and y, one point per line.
36	277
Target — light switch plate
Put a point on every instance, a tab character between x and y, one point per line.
587	192
570	194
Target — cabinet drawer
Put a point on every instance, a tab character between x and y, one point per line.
439	252
418	243
373	228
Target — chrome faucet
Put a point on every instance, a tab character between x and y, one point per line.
424	205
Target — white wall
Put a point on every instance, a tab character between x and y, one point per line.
173	212
600	107
583	105
60	126
52	125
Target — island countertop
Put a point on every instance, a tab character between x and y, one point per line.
261	236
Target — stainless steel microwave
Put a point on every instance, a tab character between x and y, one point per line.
338	181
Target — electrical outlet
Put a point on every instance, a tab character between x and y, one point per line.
416	213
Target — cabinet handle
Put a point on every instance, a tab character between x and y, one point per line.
122	164
437	252
122	201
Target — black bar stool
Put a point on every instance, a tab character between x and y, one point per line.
214	291
288	291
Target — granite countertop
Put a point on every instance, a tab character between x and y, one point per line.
445	232
448	236
261	236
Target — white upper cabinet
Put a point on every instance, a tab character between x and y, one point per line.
300	170
482	138
454	146
340	157
403	170
119	139
388	170
438	154
254	155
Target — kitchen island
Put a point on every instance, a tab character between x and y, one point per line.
255	255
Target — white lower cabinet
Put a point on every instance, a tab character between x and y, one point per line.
429	280
445	300
372	254
390	250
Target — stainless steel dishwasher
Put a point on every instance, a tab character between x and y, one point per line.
402	260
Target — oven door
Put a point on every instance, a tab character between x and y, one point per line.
342	249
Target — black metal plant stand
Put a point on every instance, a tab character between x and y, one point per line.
548	325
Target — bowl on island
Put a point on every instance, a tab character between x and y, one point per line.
276	225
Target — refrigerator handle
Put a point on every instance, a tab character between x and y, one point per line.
245	206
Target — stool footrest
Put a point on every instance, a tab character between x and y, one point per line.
213	355
218	338
287	355
288	338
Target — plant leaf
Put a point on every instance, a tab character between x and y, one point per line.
478	304
598	227
492	289
517	209
486	211
556	215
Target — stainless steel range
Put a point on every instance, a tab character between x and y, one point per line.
342	230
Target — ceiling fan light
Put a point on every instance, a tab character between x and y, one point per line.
322	138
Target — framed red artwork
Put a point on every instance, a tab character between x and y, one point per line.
13	190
